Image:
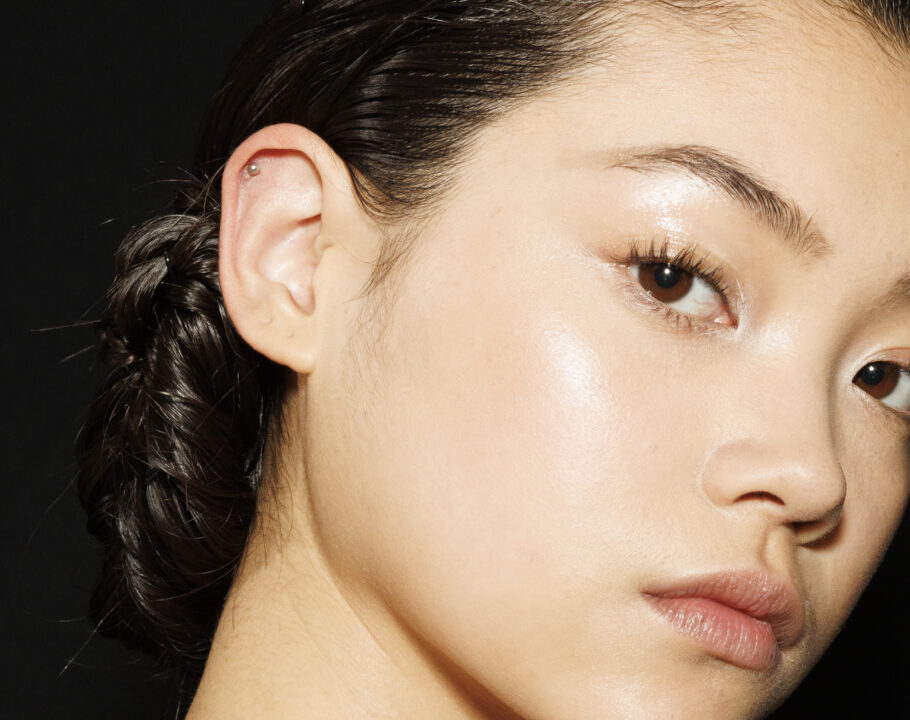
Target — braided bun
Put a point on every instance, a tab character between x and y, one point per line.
169	456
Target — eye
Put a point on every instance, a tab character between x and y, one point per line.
887	382
683	290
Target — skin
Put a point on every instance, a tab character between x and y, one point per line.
480	473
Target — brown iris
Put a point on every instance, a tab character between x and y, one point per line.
665	282
878	379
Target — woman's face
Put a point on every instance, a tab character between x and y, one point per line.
598	487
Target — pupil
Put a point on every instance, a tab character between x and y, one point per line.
666	276
872	374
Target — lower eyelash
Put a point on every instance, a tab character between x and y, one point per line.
667	313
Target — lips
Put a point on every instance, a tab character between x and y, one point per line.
741	617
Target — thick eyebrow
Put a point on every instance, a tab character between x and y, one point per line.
899	293
720	171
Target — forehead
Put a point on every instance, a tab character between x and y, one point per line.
809	100
885	22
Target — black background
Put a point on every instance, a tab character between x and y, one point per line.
102	102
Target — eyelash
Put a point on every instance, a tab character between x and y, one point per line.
691	260
688	259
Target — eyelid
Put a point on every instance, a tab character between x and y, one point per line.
889	416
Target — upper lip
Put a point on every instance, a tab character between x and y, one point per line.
751	592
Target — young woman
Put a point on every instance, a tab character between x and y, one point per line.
516	359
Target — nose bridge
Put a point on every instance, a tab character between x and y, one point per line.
775	447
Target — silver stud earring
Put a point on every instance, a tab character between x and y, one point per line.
253	169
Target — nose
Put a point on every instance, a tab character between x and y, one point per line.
782	464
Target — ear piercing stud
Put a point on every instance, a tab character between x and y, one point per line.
253	168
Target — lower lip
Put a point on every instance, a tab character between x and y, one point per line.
722	631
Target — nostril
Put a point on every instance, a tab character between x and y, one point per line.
818	534
761	496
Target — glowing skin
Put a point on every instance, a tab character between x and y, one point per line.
474	502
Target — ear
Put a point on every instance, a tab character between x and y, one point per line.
287	199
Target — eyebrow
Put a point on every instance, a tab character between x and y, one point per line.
899	293
722	172
772	207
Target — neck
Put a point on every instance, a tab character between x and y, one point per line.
296	641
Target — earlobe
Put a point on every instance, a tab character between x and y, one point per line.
273	239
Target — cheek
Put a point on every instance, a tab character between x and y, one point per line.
492	447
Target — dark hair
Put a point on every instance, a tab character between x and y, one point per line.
170	456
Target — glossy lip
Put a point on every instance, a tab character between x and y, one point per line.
742	617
